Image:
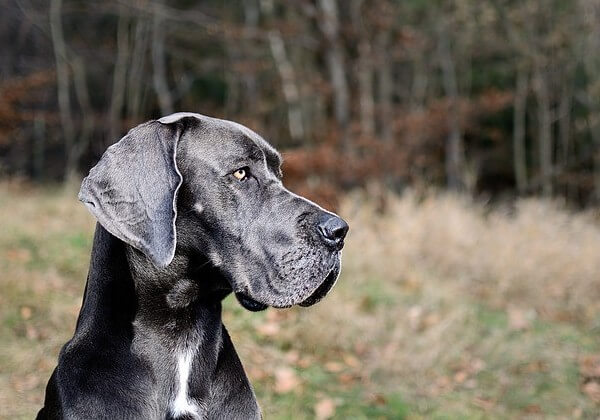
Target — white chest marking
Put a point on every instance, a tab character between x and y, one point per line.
181	404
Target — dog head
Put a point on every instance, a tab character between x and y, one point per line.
190	183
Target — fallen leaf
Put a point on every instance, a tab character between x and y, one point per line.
351	361
275	315
257	373
31	333
377	399
533	409
46	363
589	366
325	409
19	255
305	362
535	366
26	312
563	316
258	358
268	329
520	319
360	348
414	317
460	376
347	378
292	356
483	403
470	384
285	380
477	365
592	390
26	383
431	320
334	367
442	382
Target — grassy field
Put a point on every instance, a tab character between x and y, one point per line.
445	309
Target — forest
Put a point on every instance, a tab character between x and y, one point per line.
494	97
460	140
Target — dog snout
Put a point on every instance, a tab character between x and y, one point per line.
333	229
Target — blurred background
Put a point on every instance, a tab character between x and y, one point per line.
460	139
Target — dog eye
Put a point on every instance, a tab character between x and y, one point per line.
241	174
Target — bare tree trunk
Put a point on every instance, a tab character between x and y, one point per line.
564	124
455	154
231	55
117	99
596	154
544	132
232	99
365	86
137	69
419	85
590	12
365	74
564	129
385	86
159	75
287	75
83	96
519	150
39	146
593	122
288	81
249	78
63	84
329	24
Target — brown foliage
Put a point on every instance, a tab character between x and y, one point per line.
323	171
18	97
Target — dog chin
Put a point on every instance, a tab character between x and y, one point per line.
255	306
323	289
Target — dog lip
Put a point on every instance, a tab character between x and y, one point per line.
322	290
250	304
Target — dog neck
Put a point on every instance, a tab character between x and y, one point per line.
173	326
178	299
124	287
109	298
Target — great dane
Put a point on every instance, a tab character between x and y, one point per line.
189	209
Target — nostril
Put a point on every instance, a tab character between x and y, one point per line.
339	231
333	228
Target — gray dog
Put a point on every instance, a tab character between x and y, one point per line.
189	209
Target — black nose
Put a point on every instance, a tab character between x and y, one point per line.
333	229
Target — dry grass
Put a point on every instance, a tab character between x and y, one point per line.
44	251
445	308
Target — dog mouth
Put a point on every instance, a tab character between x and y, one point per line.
250	304
255	306
323	289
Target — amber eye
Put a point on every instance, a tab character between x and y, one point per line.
240	174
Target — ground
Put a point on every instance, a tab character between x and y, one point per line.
446	308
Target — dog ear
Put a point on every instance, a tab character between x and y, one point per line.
132	190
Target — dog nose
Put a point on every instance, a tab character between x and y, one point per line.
333	229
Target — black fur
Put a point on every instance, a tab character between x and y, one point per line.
166	252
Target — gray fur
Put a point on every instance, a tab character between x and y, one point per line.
132	191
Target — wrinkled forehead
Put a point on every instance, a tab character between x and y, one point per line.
224	144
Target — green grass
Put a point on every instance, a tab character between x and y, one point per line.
413	330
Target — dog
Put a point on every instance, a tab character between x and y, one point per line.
189	209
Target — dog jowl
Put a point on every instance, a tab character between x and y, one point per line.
189	209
